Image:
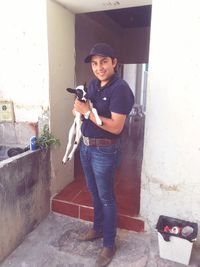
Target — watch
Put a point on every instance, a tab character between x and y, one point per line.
87	114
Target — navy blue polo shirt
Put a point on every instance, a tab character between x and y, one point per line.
116	96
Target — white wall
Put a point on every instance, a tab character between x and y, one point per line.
24	57
130	75
29	77
61	39
171	164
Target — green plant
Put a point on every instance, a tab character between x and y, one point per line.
46	139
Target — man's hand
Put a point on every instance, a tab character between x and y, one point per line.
81	107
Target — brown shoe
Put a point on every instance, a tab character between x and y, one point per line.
105	257
90	235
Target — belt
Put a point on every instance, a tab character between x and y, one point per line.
99	141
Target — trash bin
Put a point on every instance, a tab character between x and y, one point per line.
176	238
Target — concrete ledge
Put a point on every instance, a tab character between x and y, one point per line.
24	197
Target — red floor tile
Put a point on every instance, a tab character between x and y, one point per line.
130	209
71	191
130	223
86	213
65	208
83	199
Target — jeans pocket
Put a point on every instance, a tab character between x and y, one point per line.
107	150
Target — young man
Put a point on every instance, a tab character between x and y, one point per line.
100	147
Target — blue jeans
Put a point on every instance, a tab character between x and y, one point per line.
99	165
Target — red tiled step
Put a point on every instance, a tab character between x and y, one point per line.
75	201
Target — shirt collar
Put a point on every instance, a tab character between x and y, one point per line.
112	79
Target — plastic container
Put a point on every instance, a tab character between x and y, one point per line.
176	238
33	143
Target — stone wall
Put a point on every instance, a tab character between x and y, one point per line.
24	197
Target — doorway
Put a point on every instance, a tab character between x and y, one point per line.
128	31
132	47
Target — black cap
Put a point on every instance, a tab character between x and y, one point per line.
100	49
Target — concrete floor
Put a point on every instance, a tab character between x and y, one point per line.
54	244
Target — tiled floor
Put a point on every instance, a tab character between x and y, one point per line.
74	200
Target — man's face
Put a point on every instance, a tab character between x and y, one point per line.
103	68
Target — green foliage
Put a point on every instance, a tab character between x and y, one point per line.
46	139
